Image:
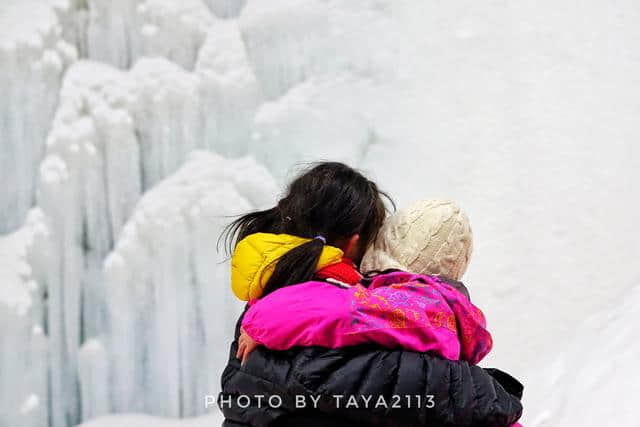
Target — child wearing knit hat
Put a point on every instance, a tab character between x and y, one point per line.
427	237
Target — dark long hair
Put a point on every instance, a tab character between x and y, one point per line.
329	199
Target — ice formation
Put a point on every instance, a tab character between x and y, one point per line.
23	359
87	299
168	305
33	56
120	32
124	131
229	91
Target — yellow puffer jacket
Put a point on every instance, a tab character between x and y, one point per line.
255	256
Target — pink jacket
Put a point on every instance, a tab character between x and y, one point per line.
414	312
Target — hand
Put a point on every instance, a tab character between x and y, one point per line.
246	345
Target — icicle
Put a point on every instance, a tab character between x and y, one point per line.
93	372
23	359
229	90
286	41
167	116
168	295
122	31
33	57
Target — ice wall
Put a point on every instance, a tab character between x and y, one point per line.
525	113
89	181
122	31
33	56
23	359
168	303
115	135
229	91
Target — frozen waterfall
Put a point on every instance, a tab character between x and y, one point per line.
166	316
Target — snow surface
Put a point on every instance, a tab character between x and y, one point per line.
148	421
125	128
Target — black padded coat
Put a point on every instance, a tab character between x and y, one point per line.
263	392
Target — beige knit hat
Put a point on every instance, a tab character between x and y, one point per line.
428	237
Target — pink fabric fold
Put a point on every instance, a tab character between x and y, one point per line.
418	313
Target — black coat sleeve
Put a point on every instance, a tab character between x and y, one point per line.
462	395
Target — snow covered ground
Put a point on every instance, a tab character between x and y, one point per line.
130	130
149	421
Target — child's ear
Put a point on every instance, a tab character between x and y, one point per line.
351	248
